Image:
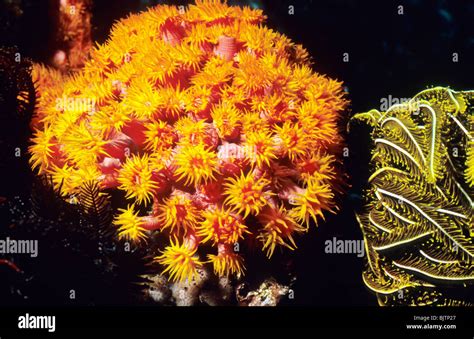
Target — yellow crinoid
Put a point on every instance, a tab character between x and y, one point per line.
214	127
418	221
469	172
180	260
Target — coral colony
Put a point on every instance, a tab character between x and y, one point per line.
211	121
419	222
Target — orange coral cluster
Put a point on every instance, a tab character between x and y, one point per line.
214	122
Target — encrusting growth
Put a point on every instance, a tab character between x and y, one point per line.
214	123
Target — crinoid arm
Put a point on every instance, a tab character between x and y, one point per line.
418	223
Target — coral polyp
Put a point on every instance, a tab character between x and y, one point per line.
137	179
180	260
278	229
130	225
195	164
222	226
247	193
44	151
213	127
311	201
179	213
227	262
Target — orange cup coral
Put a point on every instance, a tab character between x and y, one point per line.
214	122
